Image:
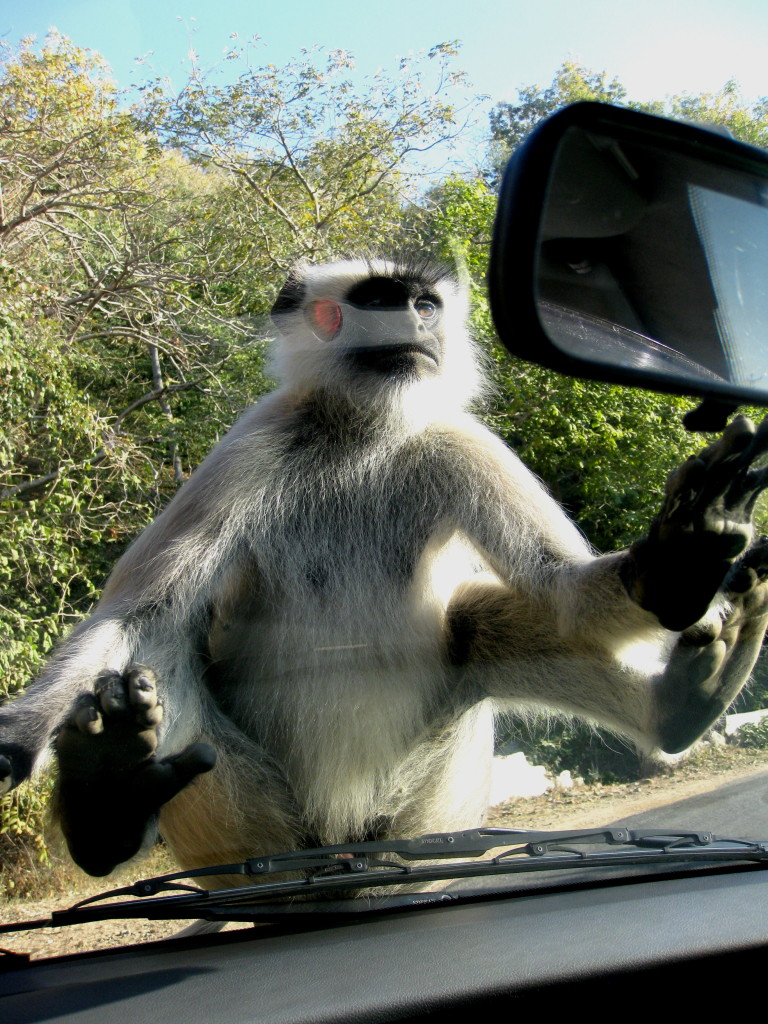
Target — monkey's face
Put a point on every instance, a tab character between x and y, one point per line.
383	326
373	328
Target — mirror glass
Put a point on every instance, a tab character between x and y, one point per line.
656	259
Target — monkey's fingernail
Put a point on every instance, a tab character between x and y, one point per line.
89	720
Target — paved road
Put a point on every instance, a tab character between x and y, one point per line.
738	809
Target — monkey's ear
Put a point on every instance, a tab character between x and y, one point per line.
291	296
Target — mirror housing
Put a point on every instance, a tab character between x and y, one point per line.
633	249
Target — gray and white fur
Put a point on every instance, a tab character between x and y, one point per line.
356	580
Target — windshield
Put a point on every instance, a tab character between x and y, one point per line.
742	300
359	618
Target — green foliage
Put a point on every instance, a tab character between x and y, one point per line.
727	108
604	451
754	736
140	249
319	166
511	123
586	753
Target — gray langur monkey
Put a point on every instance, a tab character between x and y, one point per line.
353	583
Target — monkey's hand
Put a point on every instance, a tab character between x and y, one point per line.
704	525
110	784
712	659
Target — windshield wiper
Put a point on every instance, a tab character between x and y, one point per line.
443	856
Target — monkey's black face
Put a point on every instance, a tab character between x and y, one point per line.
386	326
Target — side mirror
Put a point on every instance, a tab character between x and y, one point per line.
634	249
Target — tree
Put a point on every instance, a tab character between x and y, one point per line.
323	164
113	305
511	123
140	249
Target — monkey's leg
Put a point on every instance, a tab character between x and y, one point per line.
506	646
110	784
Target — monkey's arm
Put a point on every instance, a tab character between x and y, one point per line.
561	635
670	577
28	722
100	714
125	748
663	693
147	615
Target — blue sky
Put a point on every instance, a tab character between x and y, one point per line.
656	47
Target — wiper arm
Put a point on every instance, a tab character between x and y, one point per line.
355	858
354	865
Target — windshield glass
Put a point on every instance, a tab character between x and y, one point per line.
731	231
359	617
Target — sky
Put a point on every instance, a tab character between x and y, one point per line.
655	47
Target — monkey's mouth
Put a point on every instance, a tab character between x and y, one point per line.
394	359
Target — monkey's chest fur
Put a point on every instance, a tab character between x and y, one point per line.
327	641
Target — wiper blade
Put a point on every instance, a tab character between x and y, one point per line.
367	864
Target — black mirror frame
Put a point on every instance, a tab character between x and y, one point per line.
516	231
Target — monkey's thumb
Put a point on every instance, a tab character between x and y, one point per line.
159	781
194	760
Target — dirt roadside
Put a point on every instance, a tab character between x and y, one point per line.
580	807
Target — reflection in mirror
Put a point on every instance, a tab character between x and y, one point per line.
655	260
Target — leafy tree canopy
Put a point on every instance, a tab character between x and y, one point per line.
511	123
141	246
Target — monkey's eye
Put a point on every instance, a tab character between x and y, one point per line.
325	315
426	308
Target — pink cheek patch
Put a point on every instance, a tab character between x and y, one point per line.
325	315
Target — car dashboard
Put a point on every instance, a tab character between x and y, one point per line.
673	942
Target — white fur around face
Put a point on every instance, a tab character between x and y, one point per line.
302	361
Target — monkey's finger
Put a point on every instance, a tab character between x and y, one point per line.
111	694
16	764
142	697
194	760
682	490
141	685
735	440
86	719
758	445
725	462
755	561
756	481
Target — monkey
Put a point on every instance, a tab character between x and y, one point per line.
309	645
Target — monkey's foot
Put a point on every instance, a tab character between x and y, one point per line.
111	785
705	523
712	659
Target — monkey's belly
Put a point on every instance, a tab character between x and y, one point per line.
350	695
439	783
